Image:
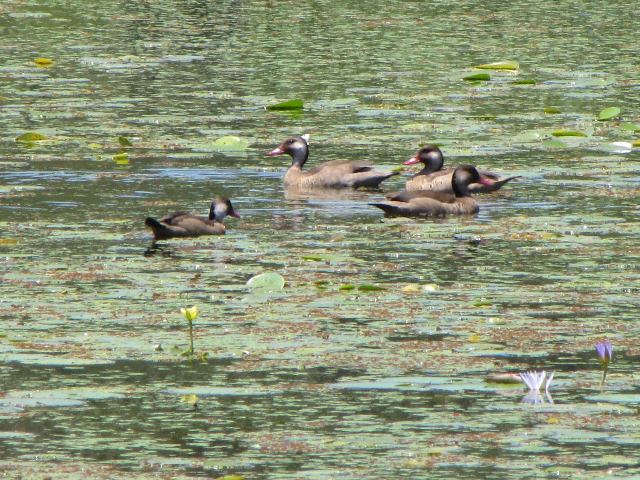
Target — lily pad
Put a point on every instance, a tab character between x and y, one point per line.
525	81
552	110
296	104
504	65
231	142
630	127
124	142
266	281
609	113
568	133
121	158
43	62
30	137
477	77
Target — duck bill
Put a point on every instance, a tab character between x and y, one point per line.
486	181
233	214
412	161
276	151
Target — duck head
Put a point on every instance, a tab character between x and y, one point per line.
220	208
296	147
431	156
465	175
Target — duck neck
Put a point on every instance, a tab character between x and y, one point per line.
434	164
460	189
299	157
215	214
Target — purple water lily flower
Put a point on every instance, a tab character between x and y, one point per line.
605	352
536	380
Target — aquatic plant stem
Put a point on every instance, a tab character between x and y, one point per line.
191	337
604	377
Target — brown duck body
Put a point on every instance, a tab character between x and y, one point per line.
436	204
183	224
334	174
438	179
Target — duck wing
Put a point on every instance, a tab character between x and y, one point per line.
344	173
407	196
439	181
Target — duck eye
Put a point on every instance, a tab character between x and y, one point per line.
291	141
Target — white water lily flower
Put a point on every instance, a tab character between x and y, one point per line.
536	380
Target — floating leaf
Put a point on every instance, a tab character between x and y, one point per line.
417	288
121	158
124	142
370	288
504	65
568	133
608	113
347	287
266	281
552	110
31	137
191	399
231	142
525	81
554	144
8	241
296	104
312	258
636	143
477	77
231	477
43	62
95	146
630	127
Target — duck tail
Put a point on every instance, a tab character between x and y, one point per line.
390	209
508	179
160	231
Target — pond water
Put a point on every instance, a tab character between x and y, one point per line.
373	360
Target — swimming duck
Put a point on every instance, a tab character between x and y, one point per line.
183	224
434	177
334	174
437	204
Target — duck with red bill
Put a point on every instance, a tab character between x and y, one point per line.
435	177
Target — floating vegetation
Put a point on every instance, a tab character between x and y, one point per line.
477	77
267	281
121	158
43	62
568	133
296	104
525	81
191	399
609	113
230	143
31	137
124	142
504	65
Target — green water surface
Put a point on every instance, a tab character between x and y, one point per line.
329	377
